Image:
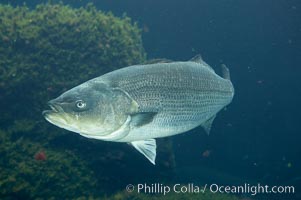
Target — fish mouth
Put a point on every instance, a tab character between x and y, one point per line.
56	115
54	109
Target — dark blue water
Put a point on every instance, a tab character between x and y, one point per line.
257	138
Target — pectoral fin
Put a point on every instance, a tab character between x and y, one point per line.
140	119
147	148
207	124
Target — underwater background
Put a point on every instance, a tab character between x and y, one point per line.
46	49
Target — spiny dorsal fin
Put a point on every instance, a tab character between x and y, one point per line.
225	72
157	60
207	124
147	148
198	59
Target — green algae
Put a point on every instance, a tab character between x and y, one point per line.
24	177
52	48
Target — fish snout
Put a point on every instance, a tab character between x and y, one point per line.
55	108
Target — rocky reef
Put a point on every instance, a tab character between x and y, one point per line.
52	48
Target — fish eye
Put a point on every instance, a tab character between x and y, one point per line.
80	104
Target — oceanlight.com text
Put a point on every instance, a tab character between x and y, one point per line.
158	188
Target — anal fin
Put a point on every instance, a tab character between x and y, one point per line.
147	148
207	124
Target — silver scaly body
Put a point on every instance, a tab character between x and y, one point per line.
138	103
183	94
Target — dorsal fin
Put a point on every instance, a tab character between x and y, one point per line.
157	60
225	71
198	59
